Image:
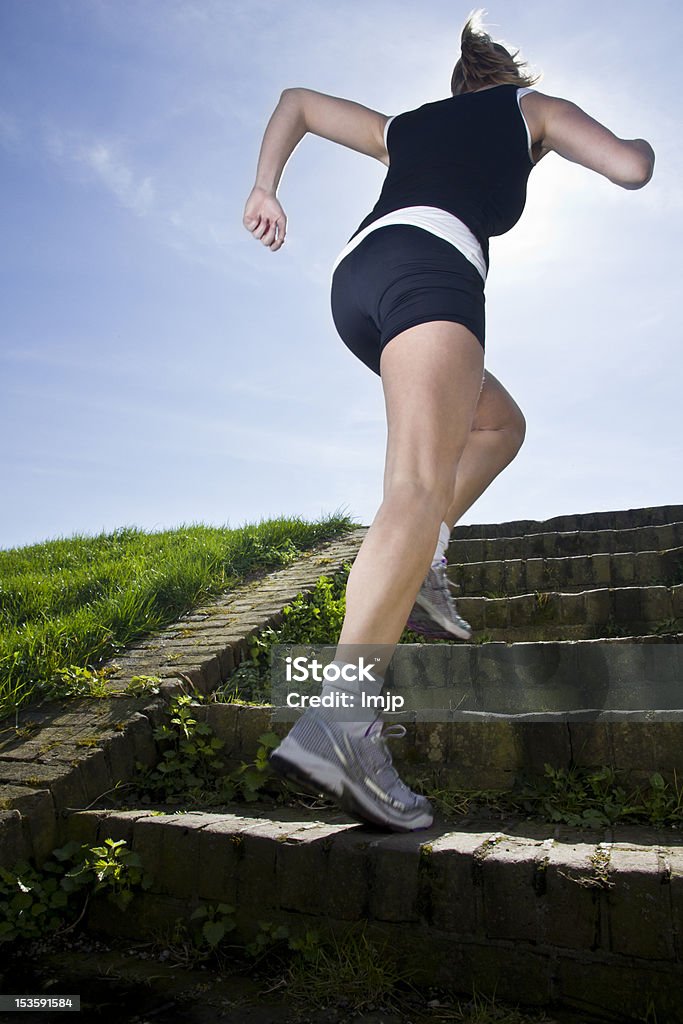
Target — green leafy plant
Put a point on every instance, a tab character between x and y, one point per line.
191	768
217	921
250	780
111	868
32	902
76	681
190	761
141	686
35	902
588	798
267	938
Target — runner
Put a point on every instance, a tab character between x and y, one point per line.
408	300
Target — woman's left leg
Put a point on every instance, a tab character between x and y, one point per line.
497	434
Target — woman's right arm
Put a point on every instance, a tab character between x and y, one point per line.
567	129
298	112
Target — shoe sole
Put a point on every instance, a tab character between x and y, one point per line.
449	629
319	775
431	632
446	624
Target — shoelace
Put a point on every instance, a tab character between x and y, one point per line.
447	584
383	761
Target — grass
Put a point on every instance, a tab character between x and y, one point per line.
77	601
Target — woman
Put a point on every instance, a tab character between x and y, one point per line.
408	300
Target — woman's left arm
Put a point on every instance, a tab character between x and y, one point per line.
563	127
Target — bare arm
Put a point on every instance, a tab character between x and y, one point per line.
566	129
298	112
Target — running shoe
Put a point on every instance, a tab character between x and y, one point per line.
356	771
434	613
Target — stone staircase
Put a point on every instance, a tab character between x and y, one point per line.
575	661
575	577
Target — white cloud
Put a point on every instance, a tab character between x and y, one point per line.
133	191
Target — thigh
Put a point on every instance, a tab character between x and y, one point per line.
496	408
431	376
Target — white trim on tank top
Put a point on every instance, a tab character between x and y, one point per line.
432	219
520	93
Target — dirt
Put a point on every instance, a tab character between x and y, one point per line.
128	984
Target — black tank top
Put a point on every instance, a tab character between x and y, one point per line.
468	155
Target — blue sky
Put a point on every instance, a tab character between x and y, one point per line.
158	366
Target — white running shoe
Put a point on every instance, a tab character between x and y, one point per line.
434	613
356	771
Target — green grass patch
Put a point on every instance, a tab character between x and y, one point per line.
75	602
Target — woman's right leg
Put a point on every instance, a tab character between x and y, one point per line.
431	375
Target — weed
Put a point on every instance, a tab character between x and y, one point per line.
590	798
667	627
482	1009
268	937
612	629
116	869
545	606
349	969
598	797
191	768
189	762
36	902
141	686
76	681
216	922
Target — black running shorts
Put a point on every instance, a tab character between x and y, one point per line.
399	276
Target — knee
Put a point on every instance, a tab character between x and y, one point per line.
517	432
431	494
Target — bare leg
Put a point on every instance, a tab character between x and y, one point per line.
431	376
497	435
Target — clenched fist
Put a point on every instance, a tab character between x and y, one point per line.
265	218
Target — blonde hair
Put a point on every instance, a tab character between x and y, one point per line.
484	62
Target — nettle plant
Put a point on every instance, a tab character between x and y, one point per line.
191	767
35	902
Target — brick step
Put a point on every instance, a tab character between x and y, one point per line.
477	719
550	544
538	915
624	519
590	614
570	574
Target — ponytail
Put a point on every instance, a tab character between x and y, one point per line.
484	62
